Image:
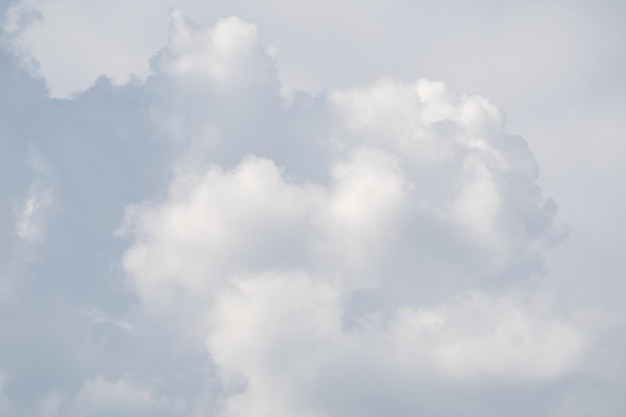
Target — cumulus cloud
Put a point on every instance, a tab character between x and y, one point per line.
218	248
413	254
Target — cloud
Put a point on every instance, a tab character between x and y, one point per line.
413	254
218	248
33	212
102	397
29	228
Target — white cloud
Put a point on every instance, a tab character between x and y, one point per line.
223	53
283	336
371	250
481	335
406	259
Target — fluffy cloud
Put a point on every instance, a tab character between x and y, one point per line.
218	248
413	254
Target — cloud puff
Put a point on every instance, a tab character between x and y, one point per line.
411	250
218	248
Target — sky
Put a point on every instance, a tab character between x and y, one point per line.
317	208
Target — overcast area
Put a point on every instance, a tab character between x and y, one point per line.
317	208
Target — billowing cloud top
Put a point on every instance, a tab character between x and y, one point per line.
200	244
